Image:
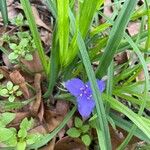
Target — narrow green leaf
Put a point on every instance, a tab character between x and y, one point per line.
115	37
4	12
102	120
63	29
29	15
53	65
52	7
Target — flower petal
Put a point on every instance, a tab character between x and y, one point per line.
85	106
101	85
74	85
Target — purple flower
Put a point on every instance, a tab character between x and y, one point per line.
83	93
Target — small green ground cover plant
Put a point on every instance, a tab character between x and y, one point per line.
103	95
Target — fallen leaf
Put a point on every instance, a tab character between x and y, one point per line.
5	72
35	105
68	143
34	65
52	119
46	37
121	58
39	129
19	117
62	107
18	79
38	20
133	28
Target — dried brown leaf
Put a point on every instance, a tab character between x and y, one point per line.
38	20
52	119
62	107
34	107
18	79
39	129
34	65
68	143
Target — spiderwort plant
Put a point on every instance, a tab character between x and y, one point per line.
83	93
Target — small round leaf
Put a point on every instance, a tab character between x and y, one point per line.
9	85
73	132
86	139
4	92
11	98
28	57
78	122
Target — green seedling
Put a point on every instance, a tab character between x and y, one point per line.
23	50
10	91
80	131
18	20
19	140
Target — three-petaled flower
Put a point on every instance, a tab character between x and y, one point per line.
83	93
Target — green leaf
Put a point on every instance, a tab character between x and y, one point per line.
11	98
9	85
13	56
3	9
21	145
22	133
15	88
78	122
24	42
73	132
18	93
28	57
6	118
102	120
115	36
63	29
13	46
5	134
26	124
4	93
86	139
32	138
85	128
12	141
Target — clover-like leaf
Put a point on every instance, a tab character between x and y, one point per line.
86	139
26	124
22	133
85	128
11	98
18	93
9	85
15	88
73	132
13	46
4	93
13	56
28	57
78	122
